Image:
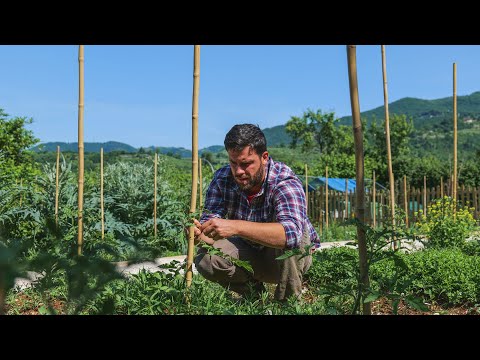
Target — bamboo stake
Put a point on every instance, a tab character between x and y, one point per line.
196	87
455	180
306	187
346	200
80	147
200	183
326	197
374	200
405	199
101	193
359	168
155	196
424	195
21	191
389	151
56	185
441	187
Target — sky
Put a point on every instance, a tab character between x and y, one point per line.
142	94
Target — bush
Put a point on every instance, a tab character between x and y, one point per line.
442	228
447	276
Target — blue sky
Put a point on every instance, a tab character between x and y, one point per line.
142	95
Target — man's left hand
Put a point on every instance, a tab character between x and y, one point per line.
219	228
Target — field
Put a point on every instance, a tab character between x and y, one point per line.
442	278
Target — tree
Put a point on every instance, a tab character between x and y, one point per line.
318	131
401	128
15	140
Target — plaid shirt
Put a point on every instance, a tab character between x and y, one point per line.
281	199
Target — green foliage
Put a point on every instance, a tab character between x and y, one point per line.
447	276
315	130
445	227
16	161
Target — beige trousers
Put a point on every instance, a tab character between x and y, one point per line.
287	274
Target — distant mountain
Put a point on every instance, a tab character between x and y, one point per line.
88	147
426	114
118	146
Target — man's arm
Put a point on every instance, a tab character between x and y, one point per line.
267	234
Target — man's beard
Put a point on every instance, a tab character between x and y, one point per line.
253	182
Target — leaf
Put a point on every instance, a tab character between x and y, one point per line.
42	310
371	297
416	303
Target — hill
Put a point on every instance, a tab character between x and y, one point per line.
428	116
94	147
426	113
89	147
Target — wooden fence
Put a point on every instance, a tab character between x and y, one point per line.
337	211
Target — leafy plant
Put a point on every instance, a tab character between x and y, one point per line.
446	224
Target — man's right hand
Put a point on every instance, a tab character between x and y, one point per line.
199	236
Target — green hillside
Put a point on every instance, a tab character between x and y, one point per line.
426	113
89	147
432	119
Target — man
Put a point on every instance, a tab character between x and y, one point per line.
254	210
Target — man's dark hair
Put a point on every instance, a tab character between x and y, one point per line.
243	135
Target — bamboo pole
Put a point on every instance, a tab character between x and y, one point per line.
424	195
455	180
346	200
155	195
21	191
80	147
405	199
374	200
306	187
389	151
56	185
196	87
200	184
441	187
359	168
101	194
326	197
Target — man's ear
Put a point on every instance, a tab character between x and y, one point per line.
265	157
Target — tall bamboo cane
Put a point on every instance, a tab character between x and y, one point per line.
80	148
101	194
374	200
405	199
306	186
155	195
359	169
441	187
346	200
56	185
424	195
455	180
193	200
200	183
326	197
21	191
389	151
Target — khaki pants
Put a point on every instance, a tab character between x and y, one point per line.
287	274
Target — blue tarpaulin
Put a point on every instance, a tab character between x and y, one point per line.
338	184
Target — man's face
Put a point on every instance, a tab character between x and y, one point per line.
248	168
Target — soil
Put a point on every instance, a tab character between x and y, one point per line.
383	306
24	305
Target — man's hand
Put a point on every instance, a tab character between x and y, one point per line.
198	235
217	229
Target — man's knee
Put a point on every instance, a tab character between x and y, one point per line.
214	267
